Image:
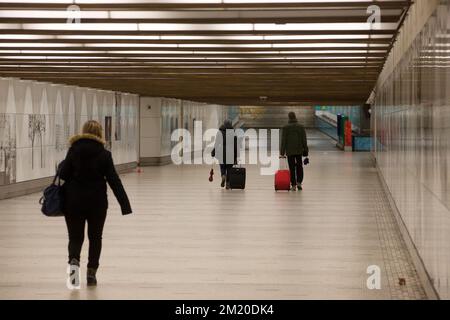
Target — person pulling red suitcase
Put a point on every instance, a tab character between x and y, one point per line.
294	145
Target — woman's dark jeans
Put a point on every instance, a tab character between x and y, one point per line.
75	225
224	168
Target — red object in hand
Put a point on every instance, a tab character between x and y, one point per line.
211	175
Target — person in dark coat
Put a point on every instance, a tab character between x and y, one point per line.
294	145
86	169
225	151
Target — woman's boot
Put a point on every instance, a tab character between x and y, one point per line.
73	274
91	277
224	179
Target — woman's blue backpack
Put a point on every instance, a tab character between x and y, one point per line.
52	200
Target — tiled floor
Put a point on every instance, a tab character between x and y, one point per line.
188	239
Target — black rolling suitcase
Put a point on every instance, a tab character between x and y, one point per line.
237	177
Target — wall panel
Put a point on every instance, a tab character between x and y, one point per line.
411	126
37	120
161	116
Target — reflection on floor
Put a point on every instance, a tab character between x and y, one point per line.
188	239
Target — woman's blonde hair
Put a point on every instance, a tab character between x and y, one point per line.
93	127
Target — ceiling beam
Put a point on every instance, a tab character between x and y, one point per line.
190	49
108	65
194	60
367	41
336	5
277	20
373	32
192	55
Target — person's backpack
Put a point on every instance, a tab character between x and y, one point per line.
52	200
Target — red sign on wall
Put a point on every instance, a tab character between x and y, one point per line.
348	133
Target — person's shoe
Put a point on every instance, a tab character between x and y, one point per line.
300	187
91	277
74	262
224	179
73	274
228	186
294	188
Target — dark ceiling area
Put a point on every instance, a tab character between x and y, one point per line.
225	52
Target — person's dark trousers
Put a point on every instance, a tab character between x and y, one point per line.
75	225
224	169
296	169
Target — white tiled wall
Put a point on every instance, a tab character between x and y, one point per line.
150	127
161	116
411	126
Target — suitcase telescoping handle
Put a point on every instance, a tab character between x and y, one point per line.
283	163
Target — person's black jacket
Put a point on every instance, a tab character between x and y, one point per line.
293	140
222	147
86	169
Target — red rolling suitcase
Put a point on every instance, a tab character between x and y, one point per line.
283	179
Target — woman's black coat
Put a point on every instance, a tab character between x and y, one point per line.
86	170
222	147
